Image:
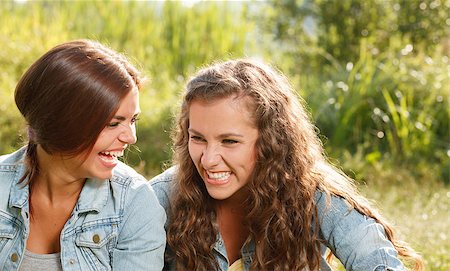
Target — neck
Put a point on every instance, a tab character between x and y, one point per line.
228	206
232	209
54	182
236	201
230	218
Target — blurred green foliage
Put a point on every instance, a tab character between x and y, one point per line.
320	32
375	75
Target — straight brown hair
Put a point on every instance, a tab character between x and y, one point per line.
68	96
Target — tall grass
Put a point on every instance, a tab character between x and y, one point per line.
394	105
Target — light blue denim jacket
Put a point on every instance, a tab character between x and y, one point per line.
357	240
116	224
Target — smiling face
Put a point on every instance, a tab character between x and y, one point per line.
111	143
222	138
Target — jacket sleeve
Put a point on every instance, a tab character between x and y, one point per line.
162	185
358	241
142	238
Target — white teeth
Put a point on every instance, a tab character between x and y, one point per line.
107	158
114	153
221	176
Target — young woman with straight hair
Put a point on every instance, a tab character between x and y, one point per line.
66	201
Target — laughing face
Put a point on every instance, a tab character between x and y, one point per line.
222	138
112	141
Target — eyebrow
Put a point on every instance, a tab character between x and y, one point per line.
220	136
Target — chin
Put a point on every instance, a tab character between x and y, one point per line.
218	196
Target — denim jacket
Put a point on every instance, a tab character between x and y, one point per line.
116	224
357	240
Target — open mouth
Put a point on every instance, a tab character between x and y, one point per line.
110	156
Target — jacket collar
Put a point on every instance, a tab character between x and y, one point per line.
19	191
93	196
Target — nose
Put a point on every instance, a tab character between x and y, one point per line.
210	157
128	134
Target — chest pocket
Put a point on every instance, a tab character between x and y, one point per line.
95	245
8	230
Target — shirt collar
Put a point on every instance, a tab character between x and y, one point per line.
247	250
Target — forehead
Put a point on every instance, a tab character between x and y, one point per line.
221	116
130	99
236	103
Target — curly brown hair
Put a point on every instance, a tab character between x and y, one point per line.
291	166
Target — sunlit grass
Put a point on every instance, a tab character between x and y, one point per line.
414	200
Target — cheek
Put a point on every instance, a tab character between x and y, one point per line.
250	156
106	138
194	152
84	159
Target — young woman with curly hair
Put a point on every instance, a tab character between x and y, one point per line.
251	188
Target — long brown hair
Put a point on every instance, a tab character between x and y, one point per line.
68	96
291	167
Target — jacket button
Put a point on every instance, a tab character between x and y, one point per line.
96	238
14	257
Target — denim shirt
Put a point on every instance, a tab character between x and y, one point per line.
116	224
355	239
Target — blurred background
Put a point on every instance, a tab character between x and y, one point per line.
375	74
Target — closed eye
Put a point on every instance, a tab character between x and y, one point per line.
229	141
113	124
196	138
